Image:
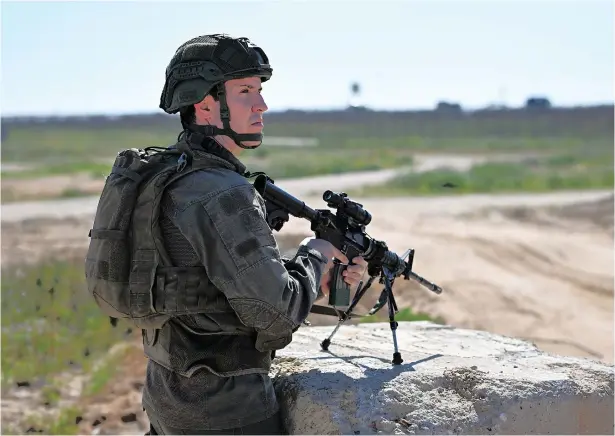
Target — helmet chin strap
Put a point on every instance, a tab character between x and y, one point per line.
225	115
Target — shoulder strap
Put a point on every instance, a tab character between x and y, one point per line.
148	252
157	187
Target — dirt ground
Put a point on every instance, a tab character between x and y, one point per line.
538	267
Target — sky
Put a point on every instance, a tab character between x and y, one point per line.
82	58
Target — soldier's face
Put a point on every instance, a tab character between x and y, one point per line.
246	106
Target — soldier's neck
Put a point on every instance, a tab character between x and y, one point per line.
210	145
228	144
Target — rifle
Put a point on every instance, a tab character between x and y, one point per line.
346	231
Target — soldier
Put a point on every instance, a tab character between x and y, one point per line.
208	372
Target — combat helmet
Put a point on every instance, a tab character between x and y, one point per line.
202	65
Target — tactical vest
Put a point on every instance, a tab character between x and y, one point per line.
130	275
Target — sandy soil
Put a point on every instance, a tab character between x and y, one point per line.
538	267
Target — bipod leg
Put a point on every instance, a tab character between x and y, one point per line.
392	305
346	315
325	344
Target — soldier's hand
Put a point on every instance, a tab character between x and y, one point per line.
327	250
352	275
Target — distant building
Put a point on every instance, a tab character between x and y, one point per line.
537	103
444	106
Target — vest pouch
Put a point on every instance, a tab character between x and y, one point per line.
265	342
107	271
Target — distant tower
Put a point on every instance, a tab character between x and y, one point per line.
502	97
355	90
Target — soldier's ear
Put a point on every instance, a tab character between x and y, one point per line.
203	109
204	105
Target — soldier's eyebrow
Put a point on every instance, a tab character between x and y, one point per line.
260	88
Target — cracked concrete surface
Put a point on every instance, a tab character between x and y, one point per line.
452	381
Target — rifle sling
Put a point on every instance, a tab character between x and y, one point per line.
325	310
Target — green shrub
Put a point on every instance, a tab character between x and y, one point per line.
404	315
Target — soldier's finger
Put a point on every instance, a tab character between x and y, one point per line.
339	255
352	281
357	268
359	261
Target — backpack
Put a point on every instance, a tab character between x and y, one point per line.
122	259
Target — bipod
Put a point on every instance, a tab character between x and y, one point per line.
386	297
388	288
346	315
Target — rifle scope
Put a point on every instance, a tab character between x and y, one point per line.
353	209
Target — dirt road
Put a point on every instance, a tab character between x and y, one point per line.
85	206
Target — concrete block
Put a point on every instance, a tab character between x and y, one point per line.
452	381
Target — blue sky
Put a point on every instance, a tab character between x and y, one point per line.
70	58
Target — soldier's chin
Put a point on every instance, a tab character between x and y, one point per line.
250	144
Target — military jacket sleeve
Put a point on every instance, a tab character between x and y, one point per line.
228	230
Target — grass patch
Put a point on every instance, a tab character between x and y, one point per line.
277	163
348	141
10	196
52	331
334	128
103	374
50	323
55	144
75	192
304	163
51	394
94	169
479	144
404	315
550	173
86	140
63	424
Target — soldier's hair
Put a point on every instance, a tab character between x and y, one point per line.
187	114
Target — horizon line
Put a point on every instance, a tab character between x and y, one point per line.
492	107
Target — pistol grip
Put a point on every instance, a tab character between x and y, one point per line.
339	294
